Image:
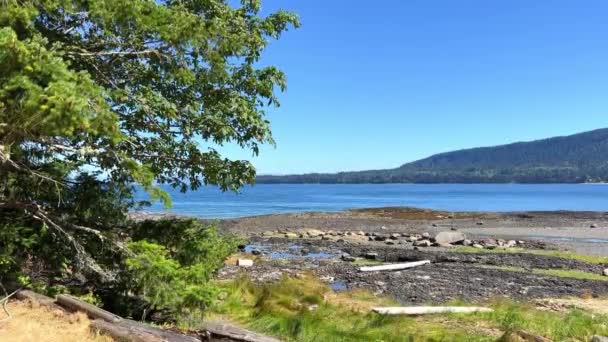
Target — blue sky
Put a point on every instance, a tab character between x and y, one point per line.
376	84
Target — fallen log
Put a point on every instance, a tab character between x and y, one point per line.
94	312
425	310
28	295
225	329
128	330
394	267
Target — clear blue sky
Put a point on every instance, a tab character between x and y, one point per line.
376	84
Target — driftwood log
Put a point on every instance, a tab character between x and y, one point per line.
425	310
224	329
128	330
94	312
394	267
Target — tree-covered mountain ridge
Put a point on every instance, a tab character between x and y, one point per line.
576	158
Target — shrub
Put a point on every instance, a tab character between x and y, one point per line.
172	262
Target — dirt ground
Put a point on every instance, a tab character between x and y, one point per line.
281	247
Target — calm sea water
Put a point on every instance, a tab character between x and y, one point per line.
261	199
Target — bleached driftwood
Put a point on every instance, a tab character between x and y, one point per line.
425	310
394	267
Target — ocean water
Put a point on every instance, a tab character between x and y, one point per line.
210	202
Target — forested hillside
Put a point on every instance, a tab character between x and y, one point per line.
575	158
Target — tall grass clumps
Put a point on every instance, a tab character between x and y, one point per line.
559	326
305	309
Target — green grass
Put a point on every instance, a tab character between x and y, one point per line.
575	274
553	253
284	310
365	262
572	325
304	309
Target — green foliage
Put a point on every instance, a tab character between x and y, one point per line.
173	262
98	97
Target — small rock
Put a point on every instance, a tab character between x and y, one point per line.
315	232
444	245
291	235
467	242
476	245
347	257
413	238
304	251
360	233
325	237
244	262
395	236
371	255
383	228
256	252
511	243
380	237
593	225
313	307
426	235
389	242
598	338
480	223
606	272
340	233
423	243
434	224
520	242
327	279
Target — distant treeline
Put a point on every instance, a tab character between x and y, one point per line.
576	158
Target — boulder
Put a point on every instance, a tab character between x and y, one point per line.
605	272
450	237
426	235
511	243
244	262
